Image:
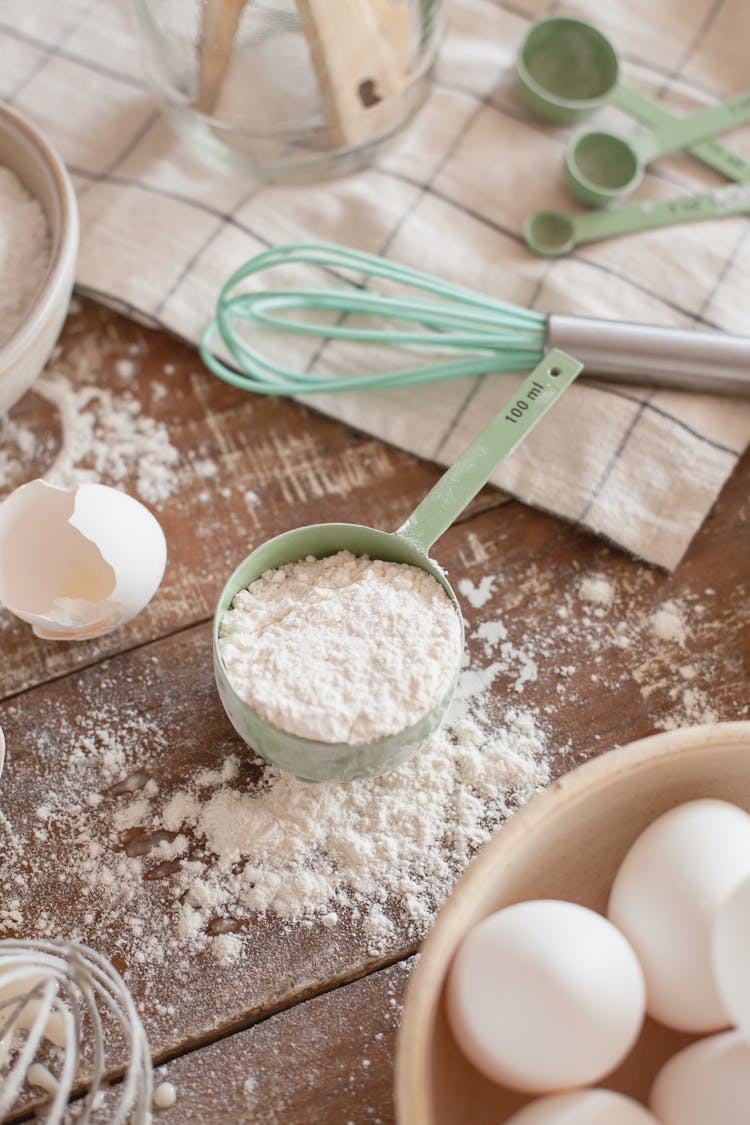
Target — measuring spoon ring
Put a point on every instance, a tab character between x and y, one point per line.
566	69
551	233
603	167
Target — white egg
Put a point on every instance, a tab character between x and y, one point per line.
545	995
77	563
584	1107
707	1083
665	897
730	947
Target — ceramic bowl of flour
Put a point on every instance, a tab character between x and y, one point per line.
566	843
313	758
41	277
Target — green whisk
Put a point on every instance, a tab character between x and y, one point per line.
483	335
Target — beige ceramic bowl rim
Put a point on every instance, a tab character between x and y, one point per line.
64	239
412	1076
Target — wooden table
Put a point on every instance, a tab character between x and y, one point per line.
305	1029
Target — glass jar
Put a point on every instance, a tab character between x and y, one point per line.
288	89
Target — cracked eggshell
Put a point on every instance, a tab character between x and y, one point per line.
77	562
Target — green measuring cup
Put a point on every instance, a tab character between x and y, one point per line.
602	167
327	761
551	233
566	69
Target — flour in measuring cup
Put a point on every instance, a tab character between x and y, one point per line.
342	649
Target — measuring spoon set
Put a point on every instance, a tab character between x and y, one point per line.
566	69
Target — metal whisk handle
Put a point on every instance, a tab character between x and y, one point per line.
676	358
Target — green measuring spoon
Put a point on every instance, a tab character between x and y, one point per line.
602	167
326	761
552	233
566	69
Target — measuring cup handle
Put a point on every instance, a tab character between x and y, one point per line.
460	484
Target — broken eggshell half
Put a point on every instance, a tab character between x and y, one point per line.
77	562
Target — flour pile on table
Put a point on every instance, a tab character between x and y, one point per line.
105	436
97	433
162	875
383	851
108	437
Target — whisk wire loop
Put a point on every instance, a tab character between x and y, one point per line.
15	1079
70	982
445	317
483	331
455	331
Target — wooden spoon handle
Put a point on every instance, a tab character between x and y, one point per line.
219	25
359	50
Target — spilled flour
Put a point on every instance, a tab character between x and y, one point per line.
243	841
105	436
668	623
95	433
231	871
596	588
108	437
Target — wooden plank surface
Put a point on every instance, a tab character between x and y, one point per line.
595	648
325	1061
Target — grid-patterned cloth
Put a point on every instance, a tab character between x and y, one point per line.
161	231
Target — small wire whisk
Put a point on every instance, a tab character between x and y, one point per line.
59	991
481	335
444	316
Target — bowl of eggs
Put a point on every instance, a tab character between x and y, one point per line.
592	965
